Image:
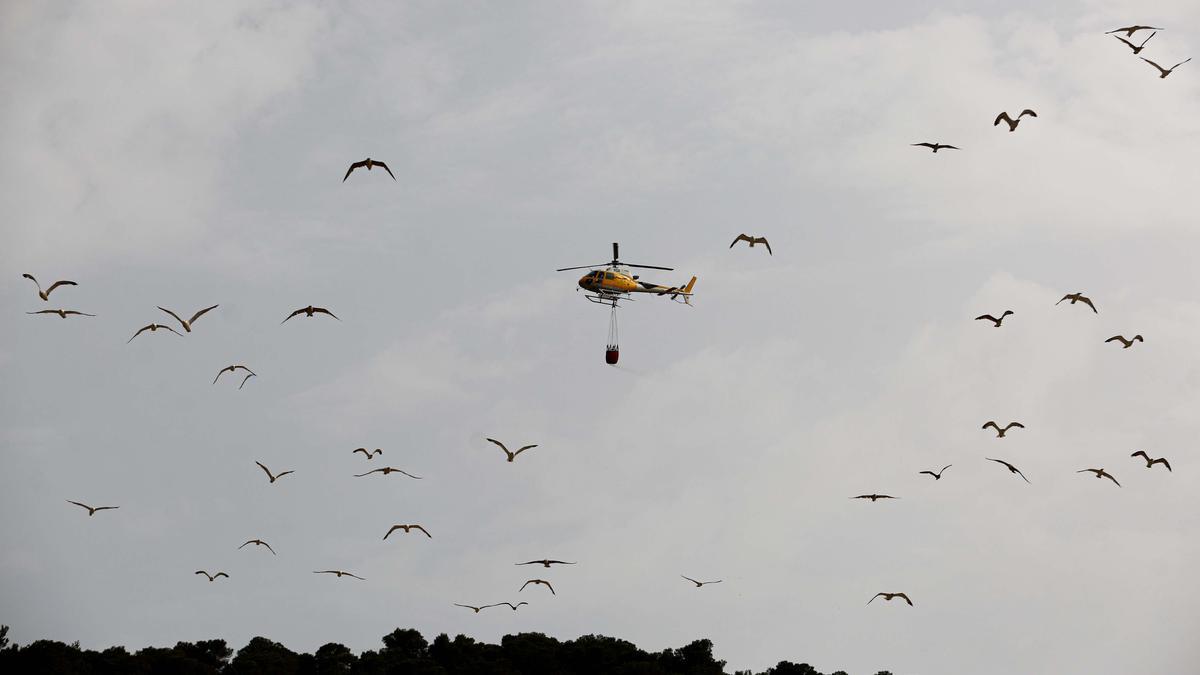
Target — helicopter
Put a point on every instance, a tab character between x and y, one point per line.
615	282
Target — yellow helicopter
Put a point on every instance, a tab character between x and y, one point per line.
615	282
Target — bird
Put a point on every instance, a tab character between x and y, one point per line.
187	325
753	241
474	607
246	378
1127	343
339	574
1079	297
938	475
514	607
61	312
1130	30
1000	432
993	319
874	497
309	311
1011	468
1151	462
385	471
406	528
45	295
230	369
1012	123
889	596
212	577
370	454
1100	473
511	455
273	477
92	509
369	163
152	328
936	146
1164	71
546	563
538	581
701	583
1137	49
257	542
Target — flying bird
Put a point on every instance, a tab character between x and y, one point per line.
511	455
546	563
701	583
1100	473
1151	462
1137	49
936	146
230	369
212	577
152	328
1079	297
273	477
474	607
339	574
1012	123
370	454
753	241
406	528
1164	72
874	497
257	542
1011	468
45	295
1127	343
1000	432
309	311
61	312
385	471
187	325
514	607
938	475
538	581
92	509
368	163
1130	30
889	596
993	319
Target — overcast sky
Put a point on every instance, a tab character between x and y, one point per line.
191	155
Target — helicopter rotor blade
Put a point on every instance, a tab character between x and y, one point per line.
581	267
649	267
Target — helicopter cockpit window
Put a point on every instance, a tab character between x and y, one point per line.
609	275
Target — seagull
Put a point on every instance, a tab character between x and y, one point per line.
1128	343
1079	297
993	319
368	162
1137	49
889	596
45	295
273	477
474	607
1012	123
1100	473
385	471
1165	71
938	475
246	378
339	574
370	454
187	325
1011	468
538	581
936	146
309	311
753	241
230	369
1130	30
61	312
92	510
701	583
546	563
514	607
511	455
152	328
1000	432
874	497
1151	462
406	528
257	542
212	577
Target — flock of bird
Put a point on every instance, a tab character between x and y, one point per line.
188	325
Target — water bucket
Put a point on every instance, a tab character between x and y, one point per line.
611	355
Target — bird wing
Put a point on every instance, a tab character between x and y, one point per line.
741	237
393	529
524	585
71	311
926	145
1161	460
1088	302
928	472
873	598
559	562
246	378
1142	453
1065	297
418	527
1116	337
360	475
245	544
226	369
407	474
764	242
220	574
691	580
352	168
204	573
992	424
989	317
523	449
1003	116
299	311
322	310
362	450
946	467
1025	112
951	147
44	311
181	321
105	508
202	312
547	584
142	330
902	595
1110	477
1014	424
502	447
269	474
59	283
1160	68
281	474
80	504
531	562
1172	68
468	607
35	281
385	168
